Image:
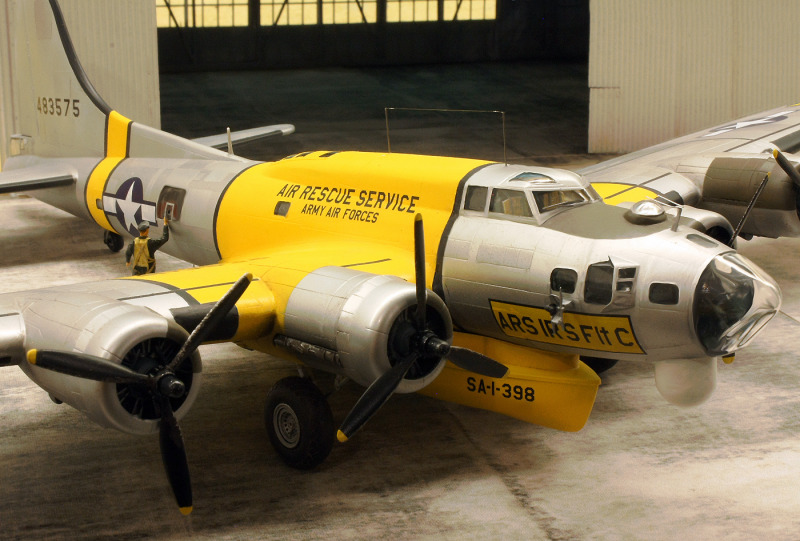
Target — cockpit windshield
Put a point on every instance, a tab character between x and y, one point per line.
528	195
559	198
510	202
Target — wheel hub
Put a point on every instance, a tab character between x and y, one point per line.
287	426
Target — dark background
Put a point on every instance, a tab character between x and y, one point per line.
541	30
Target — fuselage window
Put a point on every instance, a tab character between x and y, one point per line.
563	280
170	198
476	198
599	283
664	293
510	202
625	279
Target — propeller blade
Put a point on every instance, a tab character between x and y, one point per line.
86	366
749	209
476	362
419	272
787	167
373	398
463	358
173	454
422	342
211	320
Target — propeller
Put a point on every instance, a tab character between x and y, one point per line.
750	206
422	342
163	385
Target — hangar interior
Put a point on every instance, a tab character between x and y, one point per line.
423	468
259	34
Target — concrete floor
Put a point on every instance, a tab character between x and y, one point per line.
421	469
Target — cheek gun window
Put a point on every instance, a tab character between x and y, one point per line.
664	293
563	280
599	283
511	203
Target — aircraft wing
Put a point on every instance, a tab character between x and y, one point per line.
120	350
45	318
719	169
37	175
220	141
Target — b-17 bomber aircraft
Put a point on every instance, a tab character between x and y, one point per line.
471	281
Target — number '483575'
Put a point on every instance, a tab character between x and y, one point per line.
58	106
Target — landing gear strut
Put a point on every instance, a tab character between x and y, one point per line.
299	422
597	364
113	241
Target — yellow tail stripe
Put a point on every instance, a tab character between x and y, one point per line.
116	151
117	136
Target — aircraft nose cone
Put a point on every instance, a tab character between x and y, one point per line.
733	301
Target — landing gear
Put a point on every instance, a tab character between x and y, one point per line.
113	241
597	364
299	422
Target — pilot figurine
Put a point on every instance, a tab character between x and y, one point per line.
141	251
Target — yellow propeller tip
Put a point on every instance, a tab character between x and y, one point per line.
341	437
418	217
32	356
775	152
249	276
185	511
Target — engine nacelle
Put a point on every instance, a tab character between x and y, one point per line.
123	333
366	319
730	182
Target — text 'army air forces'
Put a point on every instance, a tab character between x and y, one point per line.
348	203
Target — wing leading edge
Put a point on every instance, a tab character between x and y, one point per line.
220	141
717	170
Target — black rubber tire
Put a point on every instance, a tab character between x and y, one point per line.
299	422
599	365
113	241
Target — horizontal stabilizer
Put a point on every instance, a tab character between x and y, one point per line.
221	141
37	177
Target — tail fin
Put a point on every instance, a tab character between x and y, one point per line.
54	105
58	110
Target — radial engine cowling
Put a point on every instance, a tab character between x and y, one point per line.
131	335
366	319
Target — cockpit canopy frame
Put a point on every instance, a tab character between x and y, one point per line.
527	195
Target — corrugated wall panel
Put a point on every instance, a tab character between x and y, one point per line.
119	53
6	130
680	66
117	45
